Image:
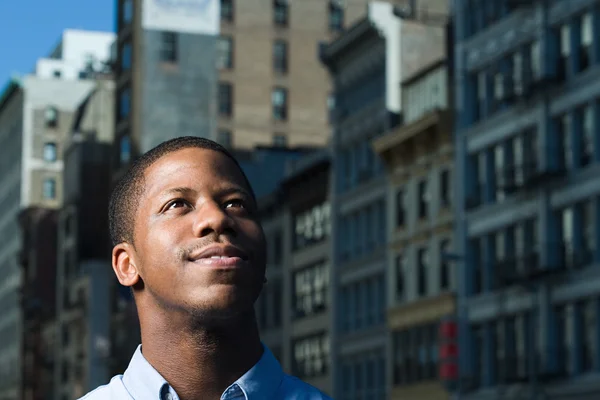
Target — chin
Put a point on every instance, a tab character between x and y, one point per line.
222	304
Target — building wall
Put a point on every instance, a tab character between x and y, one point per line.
554	221
11	126
40	96
84	285
73	53
177	98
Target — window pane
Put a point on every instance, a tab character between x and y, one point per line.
49	188
125	147
50	152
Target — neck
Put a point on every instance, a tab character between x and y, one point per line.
197	360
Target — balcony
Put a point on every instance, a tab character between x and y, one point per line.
527	176
572	259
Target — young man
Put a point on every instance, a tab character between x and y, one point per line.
186	239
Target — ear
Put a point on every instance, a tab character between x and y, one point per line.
124	265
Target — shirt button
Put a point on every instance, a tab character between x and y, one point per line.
168	396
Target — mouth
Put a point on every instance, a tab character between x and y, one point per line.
220	256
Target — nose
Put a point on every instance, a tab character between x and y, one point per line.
211	218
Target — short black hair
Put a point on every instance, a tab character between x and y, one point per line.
126	194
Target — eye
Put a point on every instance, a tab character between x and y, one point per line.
177	203
235	203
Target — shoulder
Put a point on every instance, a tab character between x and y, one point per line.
114	390
294	388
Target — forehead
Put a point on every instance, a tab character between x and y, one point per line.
192	167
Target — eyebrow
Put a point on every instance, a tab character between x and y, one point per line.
181	191
186	191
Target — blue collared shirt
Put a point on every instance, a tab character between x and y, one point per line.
265	380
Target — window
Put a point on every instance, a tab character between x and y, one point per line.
482	93
566	234
50	152
336	15
127	11
588	240
310	290
168	49
423	199
400	277
125	150
279	140
498	153
588	135
565	48
415	354
585	51
227	10
535	57
311	226
445	271
225	99
280	12
57	73
310	356
49	189
588	349
124	103
280	56
225	52
279	102
564	131
517	77
445	191
225	137
400	208
422	266
126	57
275	256
51	117
479	355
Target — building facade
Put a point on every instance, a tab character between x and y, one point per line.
256	80
527	192
418	155
293	310
84	279
11	127
36	117
367	64
37	261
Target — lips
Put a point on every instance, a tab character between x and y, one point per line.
219	255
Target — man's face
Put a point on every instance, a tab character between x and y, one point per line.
198	244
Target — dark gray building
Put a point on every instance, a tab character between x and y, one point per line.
293	310
166	76
84	277
528	198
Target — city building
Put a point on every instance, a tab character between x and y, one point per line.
241	72
84	278
367	65
11	127
35	117
418	155
528	198
293	310
37	261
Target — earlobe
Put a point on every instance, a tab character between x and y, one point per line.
124	266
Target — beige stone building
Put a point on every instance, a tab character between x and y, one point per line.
419	161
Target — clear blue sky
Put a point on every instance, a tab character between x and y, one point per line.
29	29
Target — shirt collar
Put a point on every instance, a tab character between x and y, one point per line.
260	382
263	379
141	379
